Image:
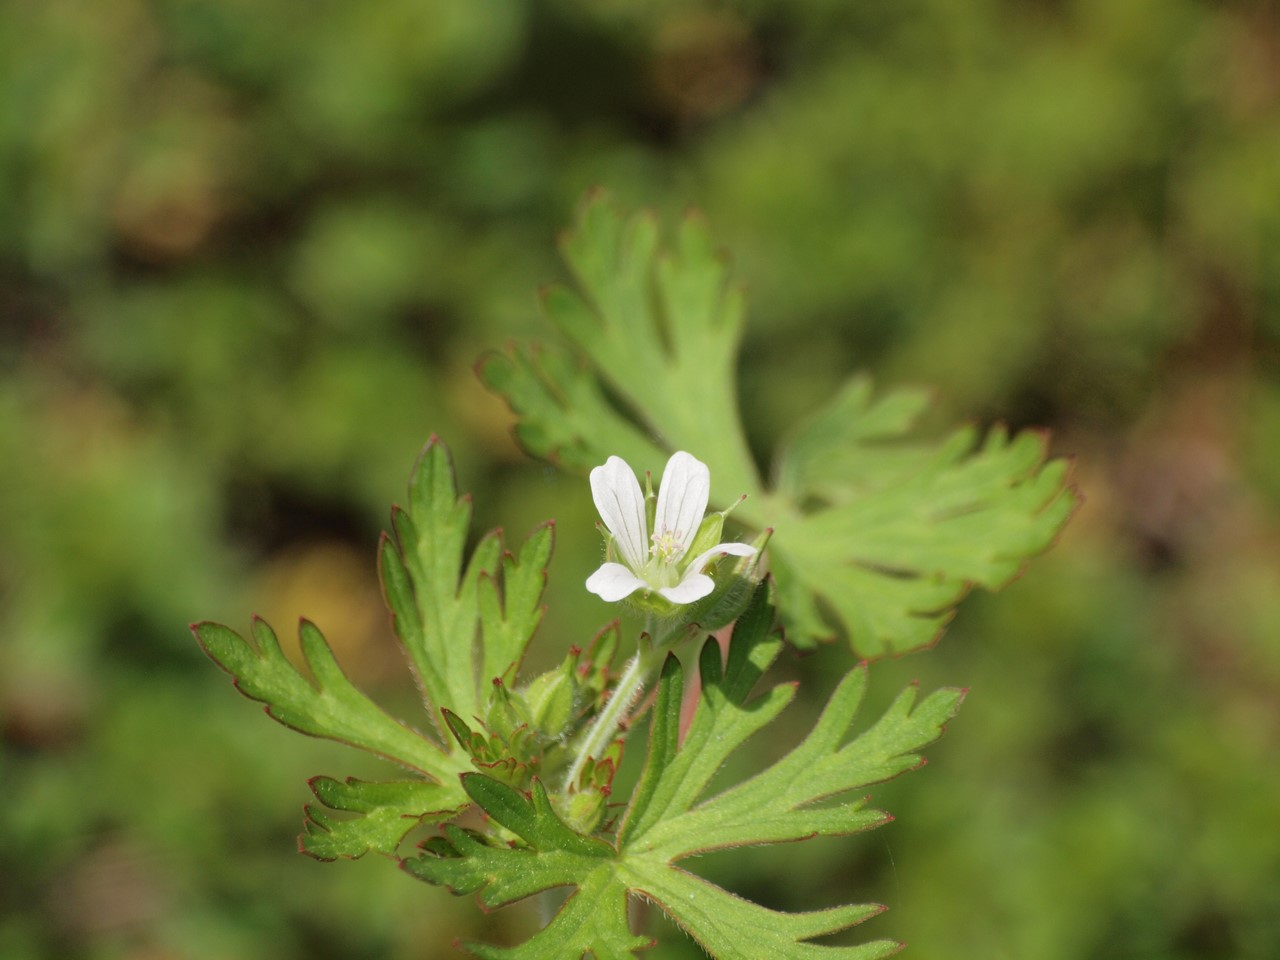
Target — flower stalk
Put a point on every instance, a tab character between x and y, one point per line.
655	557
634	678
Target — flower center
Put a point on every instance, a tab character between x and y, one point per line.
666	546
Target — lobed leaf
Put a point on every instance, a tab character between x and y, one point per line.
384	814
432	595
804	794
563	407
877	534
441	609
511	609
593	920
332	707
442	606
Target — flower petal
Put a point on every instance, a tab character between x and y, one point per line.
719	550
618	497
682	499
613	582
693	587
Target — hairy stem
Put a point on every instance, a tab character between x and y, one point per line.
625	694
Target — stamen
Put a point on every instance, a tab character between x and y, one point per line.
666	545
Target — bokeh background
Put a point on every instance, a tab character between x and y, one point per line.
250	251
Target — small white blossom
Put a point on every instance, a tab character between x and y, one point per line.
656	562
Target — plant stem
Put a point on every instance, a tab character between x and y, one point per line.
606	724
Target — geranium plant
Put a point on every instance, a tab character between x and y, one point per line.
862	532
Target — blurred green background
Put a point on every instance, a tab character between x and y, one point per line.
249	252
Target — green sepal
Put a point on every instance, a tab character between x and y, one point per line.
476	744
734	577
507	718
510	757
595	673
552	696
711	531
736	580
585	803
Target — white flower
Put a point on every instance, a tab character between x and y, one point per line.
656	562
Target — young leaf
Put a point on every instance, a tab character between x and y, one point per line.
876	535
803	795
385	812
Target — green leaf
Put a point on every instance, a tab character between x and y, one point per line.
385	813
903	529
511	609
807	793
433	599
562	404
593	920
877	533
332	707
441	610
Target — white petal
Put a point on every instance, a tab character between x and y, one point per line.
682	499
613	581
719	550
693	587
618	497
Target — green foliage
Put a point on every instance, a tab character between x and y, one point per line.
464	626
387	811
803	795
246	257
874	529
443	610
330	707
